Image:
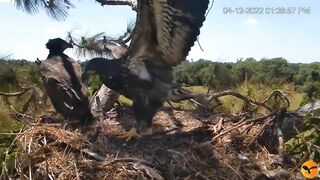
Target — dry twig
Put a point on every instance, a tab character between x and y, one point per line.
20	114
128	160
244	122
24	90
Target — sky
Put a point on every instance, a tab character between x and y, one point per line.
274	28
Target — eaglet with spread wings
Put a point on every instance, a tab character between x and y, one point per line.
164	33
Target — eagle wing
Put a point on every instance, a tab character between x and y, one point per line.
63	96
165	30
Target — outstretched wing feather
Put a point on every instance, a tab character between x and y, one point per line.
167	29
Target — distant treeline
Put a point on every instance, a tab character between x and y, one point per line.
217	75
14	72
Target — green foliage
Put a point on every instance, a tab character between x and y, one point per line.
220	76
124	101
12	74
7	125
307	143
5	120
34	75
8	76
188	73
204	72
245	70
94	84
275	70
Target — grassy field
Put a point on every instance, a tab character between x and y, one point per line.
296	100
234	105
231	104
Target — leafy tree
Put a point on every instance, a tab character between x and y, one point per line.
245	69
222	77
275	70
190	72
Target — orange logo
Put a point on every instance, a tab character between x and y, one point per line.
309	169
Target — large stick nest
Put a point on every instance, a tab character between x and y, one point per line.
184	146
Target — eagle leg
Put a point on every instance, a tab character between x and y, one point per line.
143	111
130	135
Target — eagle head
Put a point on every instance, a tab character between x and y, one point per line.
58	45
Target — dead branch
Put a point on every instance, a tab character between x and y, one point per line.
218	127
277	93
28	102
240	96
142	161
261	130
94	155
38	61
21	114
24	90
132	3
243	123
152	173
195	102
34	92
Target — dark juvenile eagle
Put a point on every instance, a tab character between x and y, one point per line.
164	33
61	76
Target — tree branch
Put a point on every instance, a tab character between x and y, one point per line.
20	114
240	96
100	45
132	3
245	122
16	93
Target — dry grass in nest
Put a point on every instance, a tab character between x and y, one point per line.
182	147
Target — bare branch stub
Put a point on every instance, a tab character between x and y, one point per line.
132	3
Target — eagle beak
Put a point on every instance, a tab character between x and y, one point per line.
67	45
70	45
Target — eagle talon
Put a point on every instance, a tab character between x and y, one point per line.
130	135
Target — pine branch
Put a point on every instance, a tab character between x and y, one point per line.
102	45
57	9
